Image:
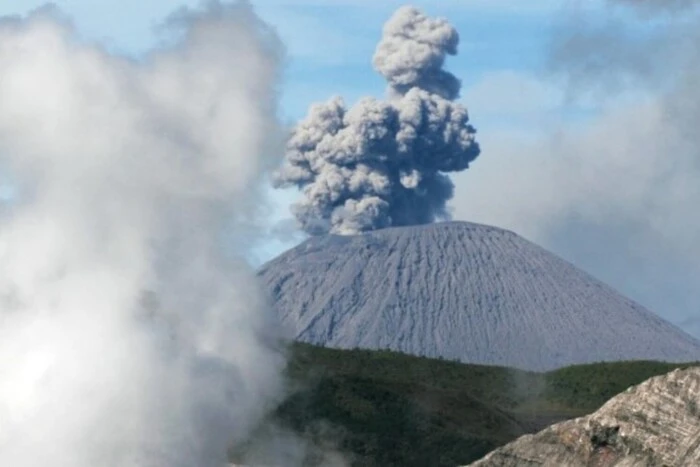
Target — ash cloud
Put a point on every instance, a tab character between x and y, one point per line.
384	163
130	333
412	52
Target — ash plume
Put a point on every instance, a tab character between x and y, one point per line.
412	52
385	163
130	333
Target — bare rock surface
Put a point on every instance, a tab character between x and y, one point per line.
656	423
462	291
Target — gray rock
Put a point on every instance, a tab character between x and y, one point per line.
462	291
656	423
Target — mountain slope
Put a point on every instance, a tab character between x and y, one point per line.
462	291
654	423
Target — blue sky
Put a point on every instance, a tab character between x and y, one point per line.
543	171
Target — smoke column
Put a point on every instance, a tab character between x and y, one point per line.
385	163
127	338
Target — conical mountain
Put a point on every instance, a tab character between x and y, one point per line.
462	291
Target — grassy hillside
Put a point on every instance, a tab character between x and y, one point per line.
382	408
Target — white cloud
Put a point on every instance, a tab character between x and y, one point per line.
130	335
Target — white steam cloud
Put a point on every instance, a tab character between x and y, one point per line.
127	336
385	163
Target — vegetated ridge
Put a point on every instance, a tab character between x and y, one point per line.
463	291
385	409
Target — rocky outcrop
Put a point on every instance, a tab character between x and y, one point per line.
656	423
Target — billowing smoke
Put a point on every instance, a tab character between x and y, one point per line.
385	163
131	334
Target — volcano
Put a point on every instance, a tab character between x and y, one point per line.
462	291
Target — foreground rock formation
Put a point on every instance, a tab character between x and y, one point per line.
656	423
